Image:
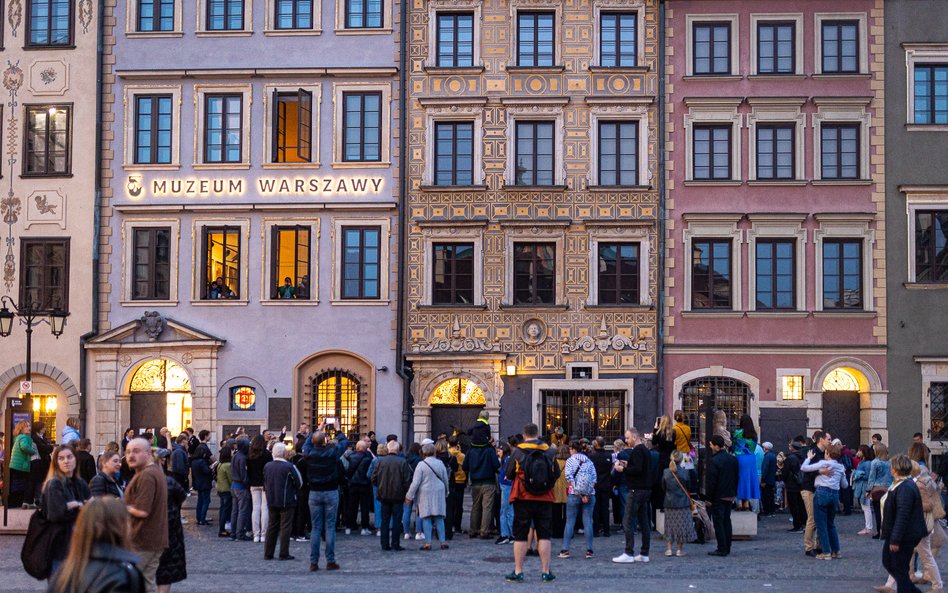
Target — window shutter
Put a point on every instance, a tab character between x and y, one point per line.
304	128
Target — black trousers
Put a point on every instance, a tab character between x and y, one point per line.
392	529
846	497
280	527
897	565
456	502
721	517
636	514
601	511
360	497
797	509
559	519
767	499
301	524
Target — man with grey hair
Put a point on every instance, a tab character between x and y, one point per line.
281	481
147	500
634	462
392	478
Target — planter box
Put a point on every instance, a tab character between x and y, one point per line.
743	524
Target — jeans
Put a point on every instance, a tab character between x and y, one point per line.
260	515
279	529
376	508
897	565
203	503
506	511
323	506
438	522
825	503
601	512
636	511
240	516
225	511
618	503
721	517
391	525
575	504
483	501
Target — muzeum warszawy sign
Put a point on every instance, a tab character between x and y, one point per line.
199	187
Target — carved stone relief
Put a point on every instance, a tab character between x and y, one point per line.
46	206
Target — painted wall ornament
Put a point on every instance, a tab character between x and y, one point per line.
456	343
11	205
533	331
602	342
15	15
84	8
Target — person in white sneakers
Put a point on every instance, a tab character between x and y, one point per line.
634	462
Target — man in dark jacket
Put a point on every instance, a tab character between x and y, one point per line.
323	470
240	492
281	482
792	482
481	465
635	463
721	490
85	462
392	478
768	479
360	489
603	464
179	461
903	523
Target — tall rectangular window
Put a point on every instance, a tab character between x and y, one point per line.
535	38
363	14
534	160
711	274
153	123
776	48
452	274
842	274
361	250
775	151
455	39
839	151
938	412
293	14
711	49
931	94
618	153
292	126
151	264
44	274
220	272
225	15
618	271
48	130
712	153
223	128
776	274
454	153
48	22
362	118
155	15
290	262
840	44
617	42
534	274
931	246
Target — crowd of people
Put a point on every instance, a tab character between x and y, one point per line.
120	514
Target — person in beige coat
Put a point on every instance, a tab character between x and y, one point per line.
429	487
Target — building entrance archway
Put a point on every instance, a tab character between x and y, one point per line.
160	392
841	405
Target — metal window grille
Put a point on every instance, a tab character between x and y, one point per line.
584	413
701	397
938	402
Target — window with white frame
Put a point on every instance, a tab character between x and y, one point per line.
157	18
712	250
844	262
713	139
363	17
776	262
792	387
294	15
291	260
841	43
776	44
618	45
152	126
927	85
931	245
534	270
536	38
223	125
453	265
934	395
711	152
222	263
151	259
362	116
453	143
776	128
712	46
841	139
361	260
225	15
618	267
619	149
454	28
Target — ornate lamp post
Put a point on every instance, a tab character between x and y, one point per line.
30	316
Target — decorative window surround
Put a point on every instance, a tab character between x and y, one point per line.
752	382
129	139
934	369
921	198
535	232
774	226
593	366
200	90
385	29
920	54
197	256
636	6
201	27
267	256
131	21
554	6
713	110
785	17
269	26
128	257
535	109
842	110
846	225
338	128
621	110
619	234
778	401
734	39
268	90
863	40
447	6
385	250
539	385
456	232
766	110
443	110
723	225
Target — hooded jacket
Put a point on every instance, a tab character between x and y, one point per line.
481	464
238	465
514	473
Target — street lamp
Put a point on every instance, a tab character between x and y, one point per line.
30	316
6	322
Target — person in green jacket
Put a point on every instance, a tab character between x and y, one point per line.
223	491
22	450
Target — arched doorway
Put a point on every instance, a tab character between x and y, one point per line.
337	393
160	392
701	397
455	404
841	405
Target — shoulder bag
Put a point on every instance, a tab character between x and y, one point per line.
36	554
691	501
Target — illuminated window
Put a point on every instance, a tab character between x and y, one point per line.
292	126
792	388
44	410
243	399
840	380
160	375
290	261
458	391
337	397
221	269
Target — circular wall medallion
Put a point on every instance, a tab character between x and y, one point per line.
533	331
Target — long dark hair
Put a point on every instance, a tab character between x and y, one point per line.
867	453
747	425
257	446
102	520
225	455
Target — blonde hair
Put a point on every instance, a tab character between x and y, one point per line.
441	447
382	449
881	451
665	428
101	521
21	427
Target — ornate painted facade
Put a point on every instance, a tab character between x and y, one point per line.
469	65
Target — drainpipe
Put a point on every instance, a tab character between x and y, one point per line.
401	367
660	306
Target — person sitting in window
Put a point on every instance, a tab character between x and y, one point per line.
287	291
302	288
219	290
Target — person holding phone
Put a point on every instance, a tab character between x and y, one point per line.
322	471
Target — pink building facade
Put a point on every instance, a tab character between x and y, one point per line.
774	219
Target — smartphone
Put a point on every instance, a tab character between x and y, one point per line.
330	421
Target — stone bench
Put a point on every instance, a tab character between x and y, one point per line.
743	524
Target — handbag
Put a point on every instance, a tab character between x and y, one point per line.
694	511
36	554
877	493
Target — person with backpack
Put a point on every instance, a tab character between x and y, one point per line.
635	463
360	489
580	475
534	471
202	476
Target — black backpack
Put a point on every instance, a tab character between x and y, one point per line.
538	473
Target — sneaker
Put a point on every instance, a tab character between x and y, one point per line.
624	559
365	532
378	533
184	521
680	553
419	537
501	540
348	531
547	577
514	577
669	553
589	554
641	558
406	536
332	566
564	554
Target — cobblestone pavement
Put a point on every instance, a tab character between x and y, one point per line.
772	562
